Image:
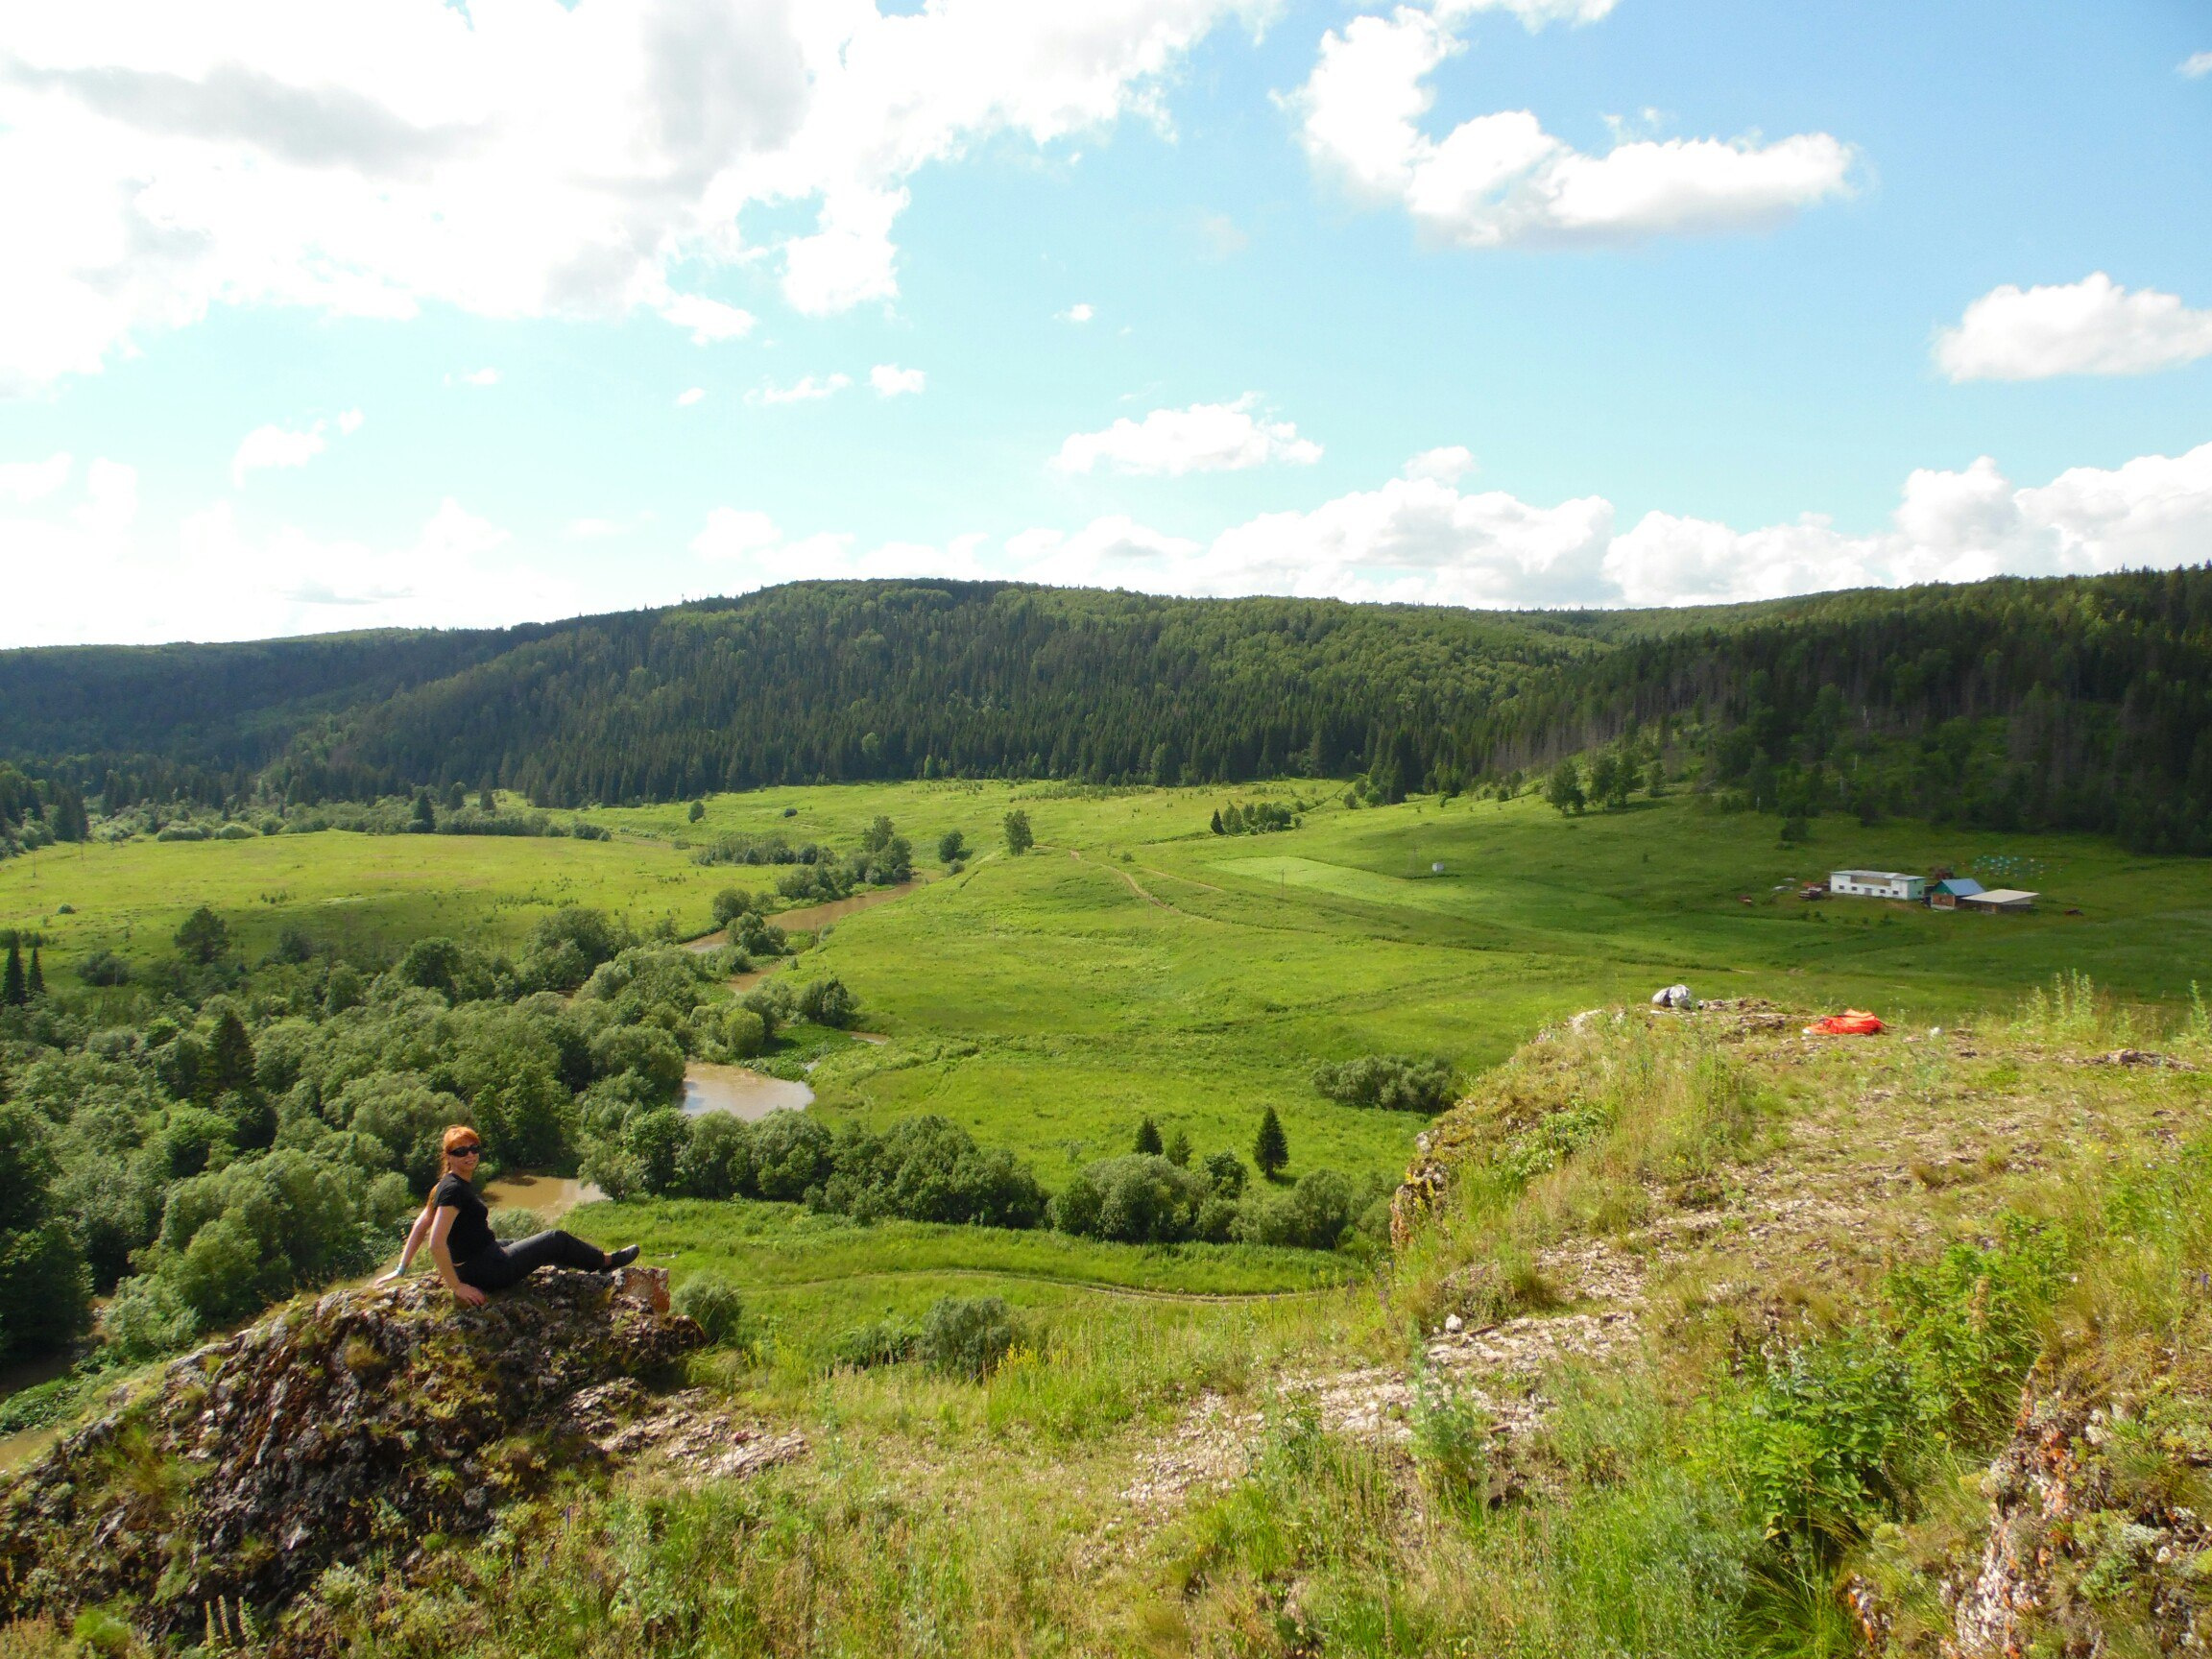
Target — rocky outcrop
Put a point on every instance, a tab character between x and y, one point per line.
367	1419
2076	1545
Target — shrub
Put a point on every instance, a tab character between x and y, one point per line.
791	1154
1135	1199
104	968
827	1003
744	1033
1312	1215
929	1168
1227	1172
968	1335
887	1341
716	1303
144	1320
1389	1081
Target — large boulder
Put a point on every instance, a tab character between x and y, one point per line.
369	1418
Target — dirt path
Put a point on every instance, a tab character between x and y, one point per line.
1134	887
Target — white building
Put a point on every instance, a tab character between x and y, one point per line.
1877	884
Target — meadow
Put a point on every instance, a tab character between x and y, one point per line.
1134	965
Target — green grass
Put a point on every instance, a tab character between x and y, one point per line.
807	1278
1136	965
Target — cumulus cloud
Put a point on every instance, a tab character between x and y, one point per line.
486	376
214	576
709	319
747	549
27	481
510	157
1204	438
690	395
1501	179
2196	66
273	445
892	381
1447	465
806	388
1082	311
1421	540
2093	326
1533	14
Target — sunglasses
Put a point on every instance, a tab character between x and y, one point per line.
466	1151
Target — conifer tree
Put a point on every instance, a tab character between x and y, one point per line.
1216	820
1179	1151
1271	1148
230	1057
35	982
14	992
1149	1138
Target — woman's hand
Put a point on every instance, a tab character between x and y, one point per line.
468	1295
396	1274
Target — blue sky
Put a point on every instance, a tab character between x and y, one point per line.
395	313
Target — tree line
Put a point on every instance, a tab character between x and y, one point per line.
2064	703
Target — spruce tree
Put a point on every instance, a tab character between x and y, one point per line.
1179	1151
1149	1138
35	982
14	992
1271	1148
1216	820
229	1056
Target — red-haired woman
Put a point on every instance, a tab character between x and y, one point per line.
459	1228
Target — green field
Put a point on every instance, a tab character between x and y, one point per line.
1136	964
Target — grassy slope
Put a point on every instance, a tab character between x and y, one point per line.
1144	1482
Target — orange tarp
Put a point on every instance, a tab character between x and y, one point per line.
1851	1022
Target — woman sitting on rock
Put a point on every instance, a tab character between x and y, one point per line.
459	1228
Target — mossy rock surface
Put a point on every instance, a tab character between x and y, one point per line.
370	1417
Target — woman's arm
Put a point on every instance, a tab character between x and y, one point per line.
440	1252
415	1236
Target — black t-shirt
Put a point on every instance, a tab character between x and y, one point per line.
471	1233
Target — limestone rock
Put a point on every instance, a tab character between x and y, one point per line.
369	1417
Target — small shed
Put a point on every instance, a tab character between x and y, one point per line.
2001	899
1946	894
1877	884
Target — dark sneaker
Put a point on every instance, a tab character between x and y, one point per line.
623	1257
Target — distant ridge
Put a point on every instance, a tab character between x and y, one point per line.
2081	702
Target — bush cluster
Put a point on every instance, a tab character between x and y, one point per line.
1389	1081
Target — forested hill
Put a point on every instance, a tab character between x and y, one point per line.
2077	702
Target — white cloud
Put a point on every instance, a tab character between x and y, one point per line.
486	376
1533	14
1447	465
690	395
1204	438
748	550
709	319
892	381
1419	540
2093	326
600	529
2196	66
807	388
1082	311
91	571
510	157
27	481
1501	179
274	446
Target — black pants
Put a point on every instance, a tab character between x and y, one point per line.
505	1264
